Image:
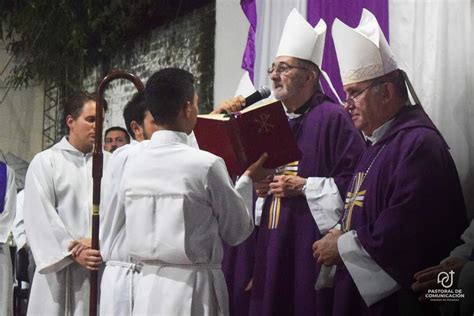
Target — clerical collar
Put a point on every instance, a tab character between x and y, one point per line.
301	110
378	132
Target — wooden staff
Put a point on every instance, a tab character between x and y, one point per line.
97	166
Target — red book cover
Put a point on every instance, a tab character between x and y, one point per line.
241	138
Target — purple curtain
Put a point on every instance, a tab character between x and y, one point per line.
250	9
348	12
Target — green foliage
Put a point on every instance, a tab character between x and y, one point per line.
61	40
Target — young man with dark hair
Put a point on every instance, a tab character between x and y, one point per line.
180	204
115	137
138	118
57	215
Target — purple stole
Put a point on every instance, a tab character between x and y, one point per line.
3	185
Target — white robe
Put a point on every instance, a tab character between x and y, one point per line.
180	204
122	273
57	210
6	223
18	223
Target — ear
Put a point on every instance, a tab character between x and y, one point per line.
137	129
312	76
188	109
69	121
389	92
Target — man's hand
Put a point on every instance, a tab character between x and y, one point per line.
428	278
325	250
231	105
287	186
256	171
89	259
77	246
263	187
82	253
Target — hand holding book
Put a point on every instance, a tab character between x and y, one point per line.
243	137
263	187
231	105
256	171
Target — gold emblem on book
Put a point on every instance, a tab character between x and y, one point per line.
264	126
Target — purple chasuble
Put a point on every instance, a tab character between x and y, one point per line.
3	185
285	270
408	215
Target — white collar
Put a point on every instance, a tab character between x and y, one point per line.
378	132
167	137
292	115
64	144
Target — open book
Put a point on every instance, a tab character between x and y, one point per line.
242	137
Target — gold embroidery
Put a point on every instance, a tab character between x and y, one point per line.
355	197
275	206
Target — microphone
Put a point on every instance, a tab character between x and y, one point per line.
260	94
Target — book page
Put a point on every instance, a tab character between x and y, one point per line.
251	108
218	117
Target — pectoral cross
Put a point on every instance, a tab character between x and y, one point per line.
354	198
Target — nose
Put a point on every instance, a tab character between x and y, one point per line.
348	106
273	75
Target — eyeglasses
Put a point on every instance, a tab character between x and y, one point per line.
352	99
282	68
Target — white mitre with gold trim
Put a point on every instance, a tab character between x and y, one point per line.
363	53
299	39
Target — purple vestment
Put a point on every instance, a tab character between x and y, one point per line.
409	215
285	270
3	185
237	266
